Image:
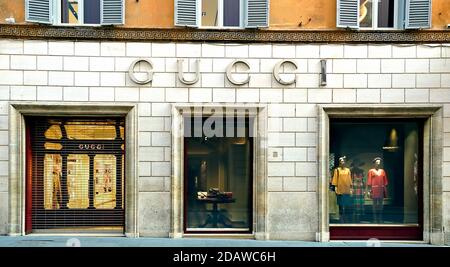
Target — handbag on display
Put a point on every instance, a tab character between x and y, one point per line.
332	187
216	193
213	192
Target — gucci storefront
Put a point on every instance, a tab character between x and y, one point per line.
280	141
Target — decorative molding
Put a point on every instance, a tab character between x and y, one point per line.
29	31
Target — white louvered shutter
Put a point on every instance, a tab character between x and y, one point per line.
418	14
39	11
348	13
257	14
112	12
186	13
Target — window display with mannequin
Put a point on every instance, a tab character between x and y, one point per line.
385	183
358	189
342	180
377	187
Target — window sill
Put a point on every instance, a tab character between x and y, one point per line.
381	29
372	225
77	25
220	28
219	235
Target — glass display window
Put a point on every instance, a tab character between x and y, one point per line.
375	172
52	181
78	181
105	181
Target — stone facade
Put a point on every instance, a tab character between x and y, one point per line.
55	72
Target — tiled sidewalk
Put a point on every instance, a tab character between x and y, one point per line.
62	241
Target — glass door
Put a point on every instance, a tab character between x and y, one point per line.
218	175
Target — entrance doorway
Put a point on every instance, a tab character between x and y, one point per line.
218	175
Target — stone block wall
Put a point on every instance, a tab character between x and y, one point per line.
372	74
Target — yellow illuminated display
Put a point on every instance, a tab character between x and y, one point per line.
105	181
78	166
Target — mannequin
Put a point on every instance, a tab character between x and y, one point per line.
377	187
56	192
358	190
342	180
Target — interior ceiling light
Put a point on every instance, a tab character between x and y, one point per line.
392	144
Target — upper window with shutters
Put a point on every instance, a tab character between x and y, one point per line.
384	14
75	12
222	13
378	14
78	12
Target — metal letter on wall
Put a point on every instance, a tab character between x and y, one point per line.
149	73
181	73
230	78
276	72
323	72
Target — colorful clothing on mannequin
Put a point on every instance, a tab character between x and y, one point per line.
342	179
378	180
358	190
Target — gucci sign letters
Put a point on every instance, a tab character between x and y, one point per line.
277	72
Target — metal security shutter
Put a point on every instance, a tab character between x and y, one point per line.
418	14
348	13
257	15
112	12
38	11
186	13
75	174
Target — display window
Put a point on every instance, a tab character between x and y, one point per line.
75	177
218	174
375	183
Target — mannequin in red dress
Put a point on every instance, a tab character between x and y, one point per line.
377	185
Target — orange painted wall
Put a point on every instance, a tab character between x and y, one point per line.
303	14
321	14
284	14
149	13
145	13
441	14
14	9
